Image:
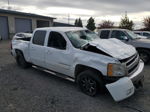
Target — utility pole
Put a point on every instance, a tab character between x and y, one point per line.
8	4
126	13
68	18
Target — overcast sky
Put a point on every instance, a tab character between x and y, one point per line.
99	9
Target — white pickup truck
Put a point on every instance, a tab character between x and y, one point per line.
94	63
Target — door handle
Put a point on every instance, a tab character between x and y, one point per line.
32	48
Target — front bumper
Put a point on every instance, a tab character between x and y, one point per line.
125	86
137	76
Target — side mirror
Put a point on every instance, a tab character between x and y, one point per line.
125	38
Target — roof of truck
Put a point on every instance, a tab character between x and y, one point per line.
113	29
62	29
142	31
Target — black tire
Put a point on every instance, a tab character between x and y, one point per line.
90	82
144	55
21	60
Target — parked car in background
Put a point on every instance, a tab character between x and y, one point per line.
142	45
81	55
142	37
143	33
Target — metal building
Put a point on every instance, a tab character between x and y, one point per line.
12	22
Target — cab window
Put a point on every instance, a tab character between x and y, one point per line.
39	38
56	40
119	35
104	34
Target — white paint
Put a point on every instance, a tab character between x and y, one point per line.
65	61
124	87
121	89
114	47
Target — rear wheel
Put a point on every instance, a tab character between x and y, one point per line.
144	55
21	60
90	82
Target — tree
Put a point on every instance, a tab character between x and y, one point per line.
147	23
78	22
106	24
91	24
125	23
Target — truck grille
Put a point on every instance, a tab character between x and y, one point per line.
131	63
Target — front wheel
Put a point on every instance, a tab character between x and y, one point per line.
144	55
89	82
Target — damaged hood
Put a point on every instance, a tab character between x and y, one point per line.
114	47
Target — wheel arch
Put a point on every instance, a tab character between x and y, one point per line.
80	68
140	48
18	50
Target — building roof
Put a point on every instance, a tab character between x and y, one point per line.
62	29
3	11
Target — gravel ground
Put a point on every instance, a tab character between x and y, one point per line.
32	90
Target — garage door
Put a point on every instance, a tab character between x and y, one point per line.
41	23
22	25
4	27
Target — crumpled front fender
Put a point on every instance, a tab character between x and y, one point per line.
121	89
124	88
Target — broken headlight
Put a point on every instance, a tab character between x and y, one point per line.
116	69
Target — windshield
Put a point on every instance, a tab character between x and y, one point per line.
81	38
132	34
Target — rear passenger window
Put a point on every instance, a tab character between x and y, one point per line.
104	34
56	40
39	37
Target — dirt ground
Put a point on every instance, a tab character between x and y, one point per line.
32	90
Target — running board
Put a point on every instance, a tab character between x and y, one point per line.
55	73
